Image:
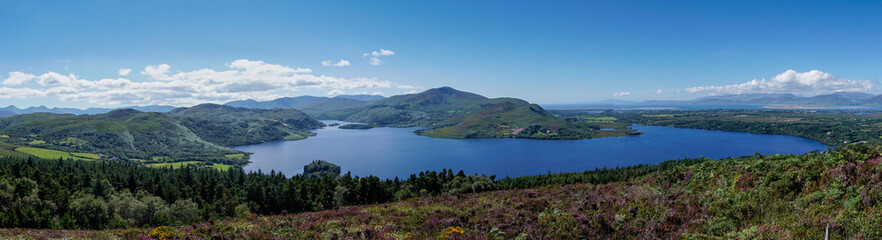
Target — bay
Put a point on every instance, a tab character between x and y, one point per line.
391	152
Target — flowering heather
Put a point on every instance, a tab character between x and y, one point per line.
760	197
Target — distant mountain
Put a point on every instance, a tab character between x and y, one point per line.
235	126
285	102
839	99
511	120
450	113
6	113
362	97
421	109
151	108
311	105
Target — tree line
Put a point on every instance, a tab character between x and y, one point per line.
64	194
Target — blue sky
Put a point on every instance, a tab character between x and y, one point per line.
541	51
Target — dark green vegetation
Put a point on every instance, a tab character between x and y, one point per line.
830	127
450	113
319	168
122	134
200	134
235	126
754	197
356	126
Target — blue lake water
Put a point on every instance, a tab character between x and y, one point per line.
391	152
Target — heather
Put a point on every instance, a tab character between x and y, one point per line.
755	197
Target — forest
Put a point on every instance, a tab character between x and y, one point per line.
63	194
750	197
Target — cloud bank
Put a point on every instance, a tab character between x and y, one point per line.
245	79
813	82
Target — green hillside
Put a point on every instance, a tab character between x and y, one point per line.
201	133
235	126
511	120
421	109
450	113
125	134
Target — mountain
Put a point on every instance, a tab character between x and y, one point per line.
6	113
285	102
151	108
421	109
125	133
510	119
307	102
236	126
839	99
451	113
362	97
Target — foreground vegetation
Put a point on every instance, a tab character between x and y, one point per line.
754	197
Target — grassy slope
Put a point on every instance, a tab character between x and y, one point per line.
511	120
119	133
760	197
451	113
234	126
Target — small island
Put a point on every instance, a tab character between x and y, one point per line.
356	126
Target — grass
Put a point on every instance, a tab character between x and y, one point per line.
221	167
174	164
239	156
50	154
86	155
37	142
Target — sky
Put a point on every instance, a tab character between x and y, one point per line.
123	53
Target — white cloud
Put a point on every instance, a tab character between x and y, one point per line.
411	92
17	78
377	93
621	94
243	80
382	52
335	92
124	71
659	92
813	82
341	63
403	86
158	72
376	61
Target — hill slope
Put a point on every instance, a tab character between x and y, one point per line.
127	134
235	126
422	109
511	120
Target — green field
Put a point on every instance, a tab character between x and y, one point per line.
239	156
86	155
51	154
174	164
221	167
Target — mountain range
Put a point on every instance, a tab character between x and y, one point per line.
839	99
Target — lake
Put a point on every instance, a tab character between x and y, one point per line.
391	152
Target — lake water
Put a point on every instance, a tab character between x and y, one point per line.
390	152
